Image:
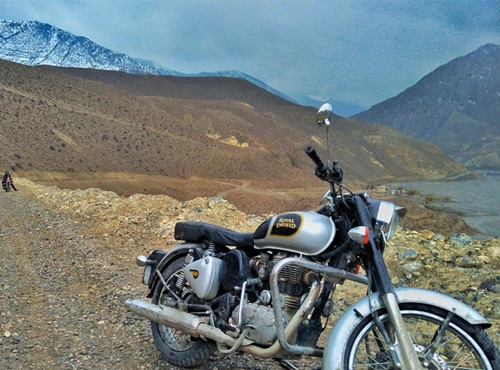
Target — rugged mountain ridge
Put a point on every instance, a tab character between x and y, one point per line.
455	107
34	43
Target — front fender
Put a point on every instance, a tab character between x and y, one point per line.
337	340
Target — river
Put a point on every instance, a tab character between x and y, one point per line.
477	202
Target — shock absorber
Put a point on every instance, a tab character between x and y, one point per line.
181	281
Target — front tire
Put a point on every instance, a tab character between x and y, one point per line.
462	346
178	348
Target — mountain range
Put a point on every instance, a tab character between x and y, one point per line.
117	114
456	107
34	43
188	137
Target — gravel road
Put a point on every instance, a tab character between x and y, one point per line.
61	304
62	297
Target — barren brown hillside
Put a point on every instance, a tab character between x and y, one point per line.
190	136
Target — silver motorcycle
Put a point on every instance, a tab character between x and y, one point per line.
270	293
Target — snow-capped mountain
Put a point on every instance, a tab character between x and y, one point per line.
34	43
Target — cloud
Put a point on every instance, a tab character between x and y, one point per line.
359	52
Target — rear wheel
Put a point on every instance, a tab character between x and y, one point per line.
459	346
178	348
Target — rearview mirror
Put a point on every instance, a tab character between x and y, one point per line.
324	114
324	117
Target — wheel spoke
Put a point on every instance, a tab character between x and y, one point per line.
439	342
177	347
436	338
462	360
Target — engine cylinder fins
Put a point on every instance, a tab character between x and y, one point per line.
290	303
294	280
309	277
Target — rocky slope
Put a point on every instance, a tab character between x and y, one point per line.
455	107
222	128
69	266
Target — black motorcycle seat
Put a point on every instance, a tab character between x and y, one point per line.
201	231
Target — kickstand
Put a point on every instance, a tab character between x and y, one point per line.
285	364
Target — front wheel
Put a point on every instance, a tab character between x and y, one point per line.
178	348
461	346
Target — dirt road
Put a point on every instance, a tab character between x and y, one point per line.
62	294
61	303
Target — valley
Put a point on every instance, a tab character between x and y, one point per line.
253	197
250	197
476	201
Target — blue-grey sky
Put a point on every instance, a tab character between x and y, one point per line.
358	52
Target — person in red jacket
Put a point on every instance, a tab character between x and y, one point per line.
8	178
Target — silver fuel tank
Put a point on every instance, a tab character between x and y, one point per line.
306	233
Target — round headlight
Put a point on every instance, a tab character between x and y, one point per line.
387	217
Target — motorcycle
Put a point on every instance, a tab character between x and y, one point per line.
269	293
7	184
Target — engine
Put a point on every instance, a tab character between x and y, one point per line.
293	282
239	288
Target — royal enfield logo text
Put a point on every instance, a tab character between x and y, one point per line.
286	222
286	225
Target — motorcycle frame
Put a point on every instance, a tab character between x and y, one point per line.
378	281
381	295
339	336
329	272
405	357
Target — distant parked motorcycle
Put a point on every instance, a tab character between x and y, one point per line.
8	182
270	293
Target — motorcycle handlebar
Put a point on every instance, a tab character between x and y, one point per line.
323	170
320	165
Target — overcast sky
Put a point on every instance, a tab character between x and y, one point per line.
354	52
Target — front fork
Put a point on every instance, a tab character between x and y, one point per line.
400	342
403	348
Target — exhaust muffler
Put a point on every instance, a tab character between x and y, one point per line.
185	322
196	326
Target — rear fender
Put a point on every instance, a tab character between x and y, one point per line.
338	338
179	251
